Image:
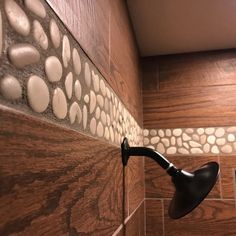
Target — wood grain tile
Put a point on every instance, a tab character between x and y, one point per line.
212	217
135	183
124	64
194	90
228	168
158	183
88	21
154	217
51	177
135	225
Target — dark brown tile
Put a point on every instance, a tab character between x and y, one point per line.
135	225
135	182
51	177
158	183
228	167
154	217
125	74
212	217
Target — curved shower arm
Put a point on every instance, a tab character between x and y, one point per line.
128	151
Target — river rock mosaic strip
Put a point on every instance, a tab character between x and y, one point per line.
210	140
44	72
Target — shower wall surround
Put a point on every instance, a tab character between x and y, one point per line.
48	81
189	116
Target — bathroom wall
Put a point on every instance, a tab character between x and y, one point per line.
70	90
189	115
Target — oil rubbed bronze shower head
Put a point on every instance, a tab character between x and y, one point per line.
190	187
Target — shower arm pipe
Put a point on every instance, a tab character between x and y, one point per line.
128	151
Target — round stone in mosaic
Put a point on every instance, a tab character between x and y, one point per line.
203	139
153	132
200	131
168	132
73	112
86	98
1	35
87	74
209	131
231	137
226	149
215	150
194	144
85	116
59	103
23	54
186	137
78	89
171	150
220	141
97	113
103	87
189	131
100	129
106	104
92	104
10	88
111	134
145	132
219	132
206	148
173	140
66	53
37	93
106	133
166	142
108	119
36	7
161	148
95	78
196	151
183	151
53	69
177	132
17	18
108	93
161	133
100	101
39	35
231	129
76	61
145	141
55	33
69	85
103	118
93	126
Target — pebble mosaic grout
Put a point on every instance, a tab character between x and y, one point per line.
44	72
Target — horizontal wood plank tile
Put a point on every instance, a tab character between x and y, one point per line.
212	217
51	177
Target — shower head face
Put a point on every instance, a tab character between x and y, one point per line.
192	188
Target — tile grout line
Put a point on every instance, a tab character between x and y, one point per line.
130	216
163	217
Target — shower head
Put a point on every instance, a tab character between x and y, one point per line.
191	188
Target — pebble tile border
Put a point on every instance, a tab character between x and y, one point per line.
44	72
197	141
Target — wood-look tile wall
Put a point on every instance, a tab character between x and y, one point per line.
193	90
52	181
